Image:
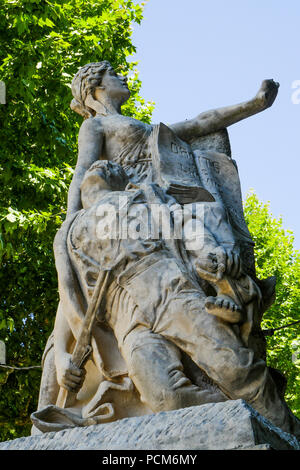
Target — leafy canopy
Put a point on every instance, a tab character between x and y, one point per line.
275	256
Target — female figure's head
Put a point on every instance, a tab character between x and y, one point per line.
98	89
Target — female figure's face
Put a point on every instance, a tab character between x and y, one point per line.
115	86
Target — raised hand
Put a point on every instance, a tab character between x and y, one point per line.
267	93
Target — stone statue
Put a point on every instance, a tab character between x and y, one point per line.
178	322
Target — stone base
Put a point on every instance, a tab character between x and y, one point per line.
231	425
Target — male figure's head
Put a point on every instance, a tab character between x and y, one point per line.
101	177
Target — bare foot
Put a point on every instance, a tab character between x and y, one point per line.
224	308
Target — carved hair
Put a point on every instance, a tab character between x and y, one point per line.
84	82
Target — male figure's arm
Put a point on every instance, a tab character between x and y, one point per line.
69	376
215	120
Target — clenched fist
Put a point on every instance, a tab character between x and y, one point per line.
267	93
69	376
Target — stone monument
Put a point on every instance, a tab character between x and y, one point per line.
160	307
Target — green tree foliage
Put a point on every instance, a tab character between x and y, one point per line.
275	256
43	43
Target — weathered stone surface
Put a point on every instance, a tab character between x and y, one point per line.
215	426
176	322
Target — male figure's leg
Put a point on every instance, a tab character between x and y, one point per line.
181	318
156	369
216	348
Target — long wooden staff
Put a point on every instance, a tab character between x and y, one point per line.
83	348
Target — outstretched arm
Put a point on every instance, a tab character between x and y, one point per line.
90	142
215	120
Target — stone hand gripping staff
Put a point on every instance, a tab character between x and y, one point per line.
83	348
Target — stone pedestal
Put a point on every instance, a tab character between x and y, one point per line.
231	425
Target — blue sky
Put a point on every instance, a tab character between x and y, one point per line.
196	55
